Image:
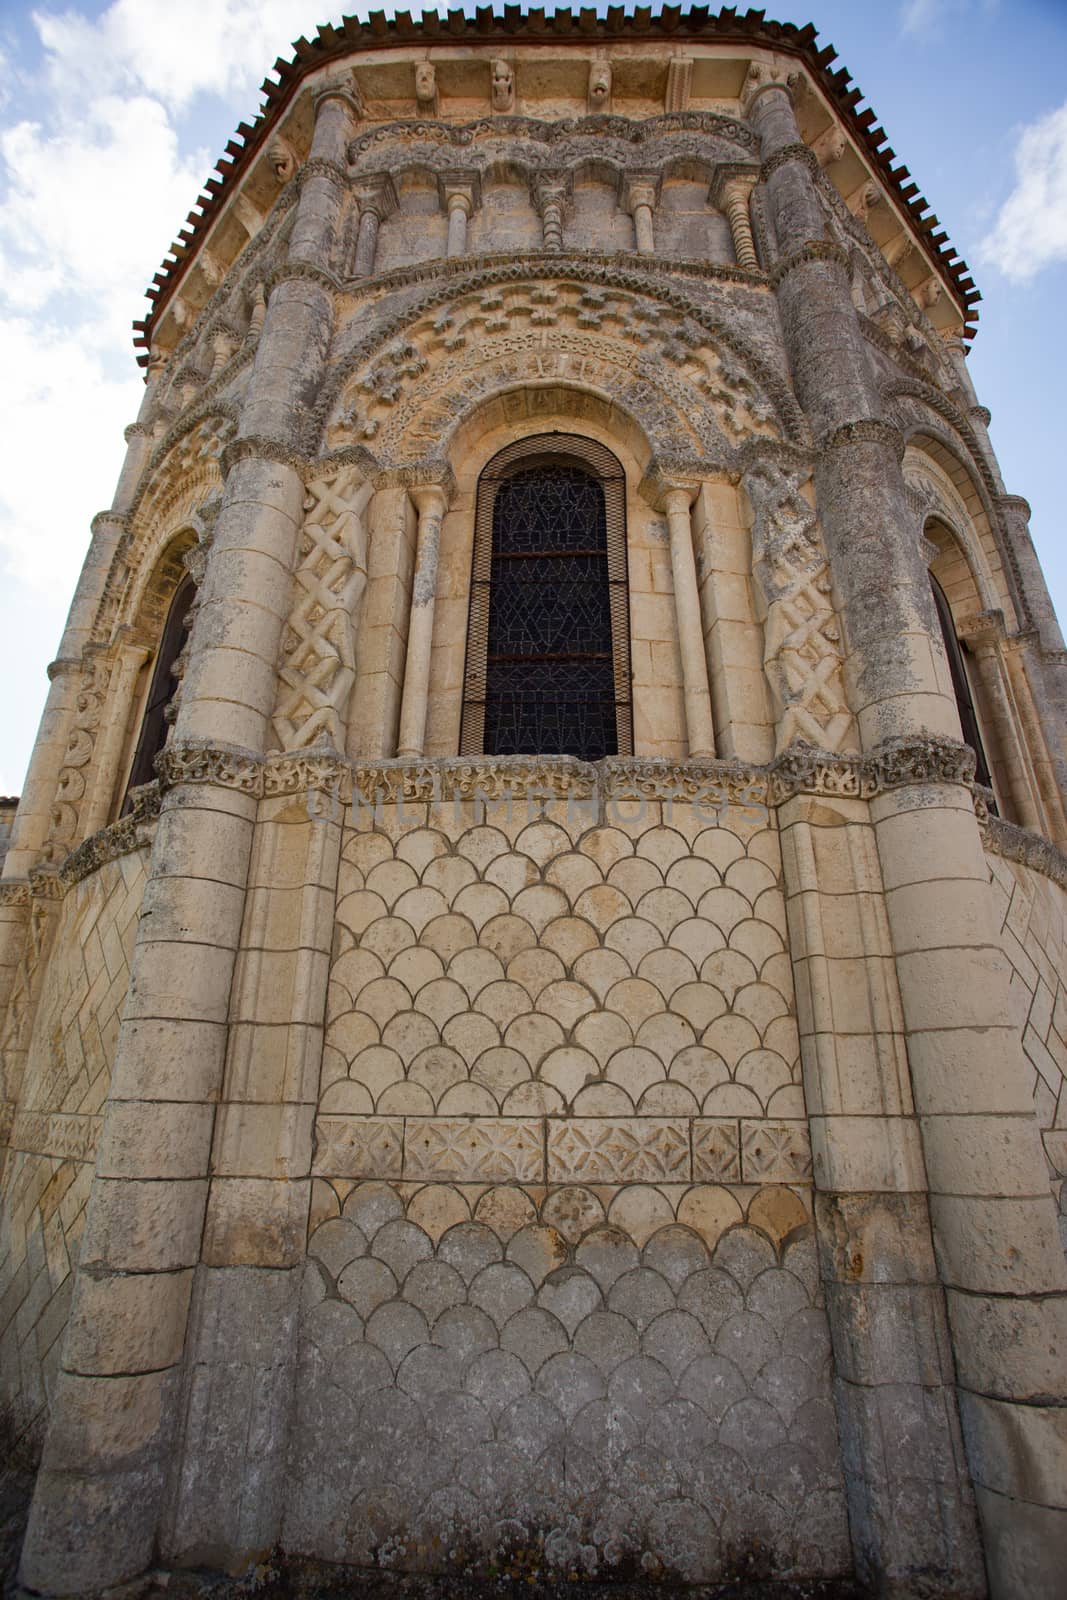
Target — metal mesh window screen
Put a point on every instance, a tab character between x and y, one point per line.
548	648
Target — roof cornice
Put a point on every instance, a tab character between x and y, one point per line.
698	25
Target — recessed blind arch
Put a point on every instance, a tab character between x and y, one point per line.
548	657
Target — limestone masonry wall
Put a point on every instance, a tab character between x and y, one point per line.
619	1157
1032	915
562	1296
48	1172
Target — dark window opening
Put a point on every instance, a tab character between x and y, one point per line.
957	666
550	685
548	648
162	689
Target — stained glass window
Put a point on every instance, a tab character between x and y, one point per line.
153	734
547	664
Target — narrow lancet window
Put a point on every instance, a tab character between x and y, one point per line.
548	658
161	690
961	685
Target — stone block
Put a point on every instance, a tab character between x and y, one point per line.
127	1323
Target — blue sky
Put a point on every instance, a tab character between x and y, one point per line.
112	115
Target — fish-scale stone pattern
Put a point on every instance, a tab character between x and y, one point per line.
1032	918
48	1169
553	1002
486	1383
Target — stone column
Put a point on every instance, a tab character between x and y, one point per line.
675	500
98	1511
459	193
640	202
733	197
377	200
994	1232
114	725
431	504
984	635
33	818
550	198
1043	660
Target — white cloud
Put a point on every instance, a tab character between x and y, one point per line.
173	51
94	185
1030	231
93	204
920	17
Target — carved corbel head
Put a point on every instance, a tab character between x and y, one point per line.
211	267
928	293
863	202
282	158
502	92
426	96
831	145
599	86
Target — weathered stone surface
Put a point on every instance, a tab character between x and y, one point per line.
472	1164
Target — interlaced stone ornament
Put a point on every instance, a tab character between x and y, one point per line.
801	635
318	665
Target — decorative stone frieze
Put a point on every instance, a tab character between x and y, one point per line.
318	665
78	756
801	633
475	1141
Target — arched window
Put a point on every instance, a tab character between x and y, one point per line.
961	685
548	657
162	687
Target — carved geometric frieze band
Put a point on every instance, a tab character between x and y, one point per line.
530	1150
711	785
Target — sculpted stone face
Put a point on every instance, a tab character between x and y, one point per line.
599	86
425	81
503	86
281	158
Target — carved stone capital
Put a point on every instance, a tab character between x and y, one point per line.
868	430
982	627
663	485
62	666
460	187
376	193
764	77
256	448
813	250
639	189
789	152
340	83
550	189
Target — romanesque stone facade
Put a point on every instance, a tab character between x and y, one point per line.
429	1149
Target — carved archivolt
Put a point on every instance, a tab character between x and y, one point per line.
81	743
318	666
677	135
801	638
688	387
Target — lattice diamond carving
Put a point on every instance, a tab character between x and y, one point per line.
319	655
